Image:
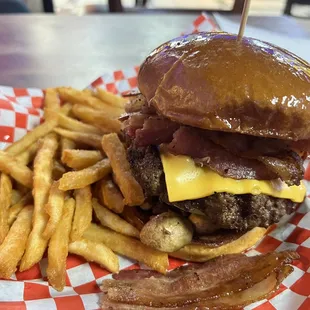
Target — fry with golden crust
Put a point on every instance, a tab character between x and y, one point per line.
10	165
113	221
75	125
16	196
32	137
51	103
42	181
58	248
54	208
13	246
16	208
129	247
95	252
79	97
58	170
84	177
110	195
5	202
85	138
28	155
110	98
80	159
83	213
98	118
130	188
66	144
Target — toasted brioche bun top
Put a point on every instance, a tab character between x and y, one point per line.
213	81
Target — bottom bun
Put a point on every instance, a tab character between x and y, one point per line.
202	253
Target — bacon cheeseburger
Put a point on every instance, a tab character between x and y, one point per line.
217	138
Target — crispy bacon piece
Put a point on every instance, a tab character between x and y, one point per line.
192	142
226	282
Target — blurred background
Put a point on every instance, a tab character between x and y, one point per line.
297	8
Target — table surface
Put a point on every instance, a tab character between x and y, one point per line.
47	51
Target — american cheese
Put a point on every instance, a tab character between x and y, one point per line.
185	180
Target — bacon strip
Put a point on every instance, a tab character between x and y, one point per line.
231	280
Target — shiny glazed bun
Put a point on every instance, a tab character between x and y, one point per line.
213	81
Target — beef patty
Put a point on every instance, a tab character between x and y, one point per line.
224	210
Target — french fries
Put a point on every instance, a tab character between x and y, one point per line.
66	144
42	181
113	221
130	188
5	202
110	195
16	208
97	252
99	118
113	100
10	165
129	247
51	103
85	138
32	137
58	170
75	125
84	177
13	246
28	155
16	196
80	159
54	209
58	220
79	97
58	248
83	213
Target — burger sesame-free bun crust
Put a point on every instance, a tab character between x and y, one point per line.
202	253
213	81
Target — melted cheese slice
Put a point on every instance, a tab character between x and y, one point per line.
185	180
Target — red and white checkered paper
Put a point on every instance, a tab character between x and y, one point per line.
21	110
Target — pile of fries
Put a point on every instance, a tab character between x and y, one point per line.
66	187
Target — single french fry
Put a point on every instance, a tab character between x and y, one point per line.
98	118
5	202
66	108
66	144
13	246
95	252
75	125
80	159
111	196
42	181
58	170
130	188
32	137
58	248
15	197
110	98
86	138
21	173
113	221
129	247
54	209
28	155
84	177
51	103
83	213
77	96
16	208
